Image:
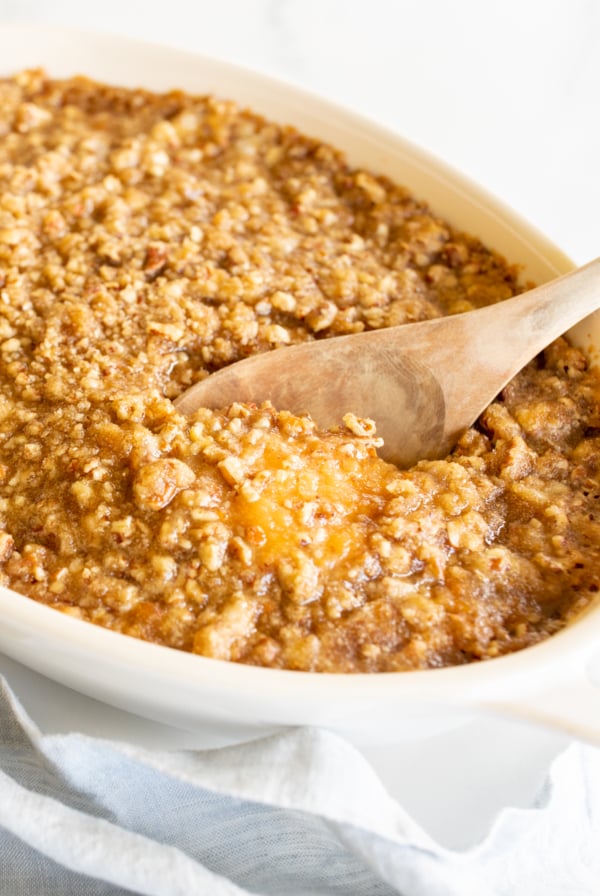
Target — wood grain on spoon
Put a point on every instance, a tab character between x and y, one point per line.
423	384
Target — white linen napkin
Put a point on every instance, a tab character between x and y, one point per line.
299	813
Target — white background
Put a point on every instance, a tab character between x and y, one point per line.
506	92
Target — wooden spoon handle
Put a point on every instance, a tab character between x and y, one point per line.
533	320
474	355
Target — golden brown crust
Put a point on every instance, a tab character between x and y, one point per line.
147	240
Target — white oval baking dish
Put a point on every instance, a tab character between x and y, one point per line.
551	683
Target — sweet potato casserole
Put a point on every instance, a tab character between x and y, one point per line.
148	240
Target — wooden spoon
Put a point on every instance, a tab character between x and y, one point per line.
423	384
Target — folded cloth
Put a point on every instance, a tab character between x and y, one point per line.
299	813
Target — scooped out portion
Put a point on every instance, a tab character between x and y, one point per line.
147	240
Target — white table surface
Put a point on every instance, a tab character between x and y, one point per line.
507	93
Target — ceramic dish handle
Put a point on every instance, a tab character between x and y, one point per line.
570	704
